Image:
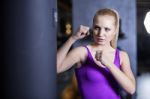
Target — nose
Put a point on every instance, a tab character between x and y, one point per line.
101	32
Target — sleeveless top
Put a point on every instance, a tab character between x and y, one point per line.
95	82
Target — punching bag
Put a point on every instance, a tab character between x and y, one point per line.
28	65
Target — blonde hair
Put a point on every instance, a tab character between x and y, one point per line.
115	14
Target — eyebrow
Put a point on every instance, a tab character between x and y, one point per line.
96	26
100	27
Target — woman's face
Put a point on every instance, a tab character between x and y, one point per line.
104	29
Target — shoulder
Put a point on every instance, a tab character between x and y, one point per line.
123	57
124	54
80	51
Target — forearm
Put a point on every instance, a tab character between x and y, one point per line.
62	52
122	79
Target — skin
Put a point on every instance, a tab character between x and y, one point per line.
103	54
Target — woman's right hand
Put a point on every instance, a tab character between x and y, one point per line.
82	32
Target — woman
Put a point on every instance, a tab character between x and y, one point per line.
101	66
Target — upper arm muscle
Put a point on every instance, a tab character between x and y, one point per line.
74	56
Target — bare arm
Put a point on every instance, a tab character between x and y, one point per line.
62	52
125	77
67	59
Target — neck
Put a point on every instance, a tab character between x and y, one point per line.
102	47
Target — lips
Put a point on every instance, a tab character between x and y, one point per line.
100	39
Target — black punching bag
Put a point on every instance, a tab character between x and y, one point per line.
28	65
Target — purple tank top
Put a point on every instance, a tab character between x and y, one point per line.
95	82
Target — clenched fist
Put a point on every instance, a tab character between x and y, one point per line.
104	58
82	32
